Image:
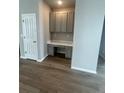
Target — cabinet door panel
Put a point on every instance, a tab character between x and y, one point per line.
58	22
68	53
70	22
52	22
50	50
63	22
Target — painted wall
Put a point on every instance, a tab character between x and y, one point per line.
89	16
44	11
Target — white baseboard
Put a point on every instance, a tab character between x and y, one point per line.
27	58
85	70
40	60
23	57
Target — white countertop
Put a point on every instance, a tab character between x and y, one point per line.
58	42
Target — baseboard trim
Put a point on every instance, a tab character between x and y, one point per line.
23	57
85	70
40	60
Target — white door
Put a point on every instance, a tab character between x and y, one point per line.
30	36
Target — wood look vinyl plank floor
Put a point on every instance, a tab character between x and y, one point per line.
54	75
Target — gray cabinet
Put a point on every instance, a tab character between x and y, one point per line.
52	21
58	22
50	50
70	21
68	53
61	22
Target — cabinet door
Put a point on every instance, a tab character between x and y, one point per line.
50	50
68	53
58	22
70	22
63	22
52	21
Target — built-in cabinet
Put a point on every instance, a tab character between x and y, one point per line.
68	53
50	50
52	22
61	21
70	21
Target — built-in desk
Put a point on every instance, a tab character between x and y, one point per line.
61	43
65	46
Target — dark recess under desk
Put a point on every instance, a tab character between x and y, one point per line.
56	53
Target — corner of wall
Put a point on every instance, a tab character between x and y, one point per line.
41	60
84	70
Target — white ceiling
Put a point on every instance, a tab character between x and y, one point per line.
66	3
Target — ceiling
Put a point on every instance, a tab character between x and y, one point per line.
66	3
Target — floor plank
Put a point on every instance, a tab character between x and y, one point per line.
54	75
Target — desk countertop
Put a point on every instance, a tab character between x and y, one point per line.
63	43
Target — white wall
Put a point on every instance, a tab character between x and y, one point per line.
44	11
89	16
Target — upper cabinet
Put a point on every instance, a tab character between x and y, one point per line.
61	21
70	21
52	21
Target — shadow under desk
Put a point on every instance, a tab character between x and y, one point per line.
60	48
